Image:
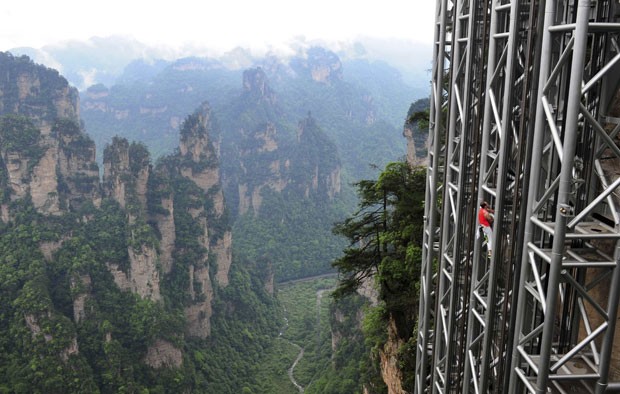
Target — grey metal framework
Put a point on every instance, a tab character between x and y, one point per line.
436	158
519	118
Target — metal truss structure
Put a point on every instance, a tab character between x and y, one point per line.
520	117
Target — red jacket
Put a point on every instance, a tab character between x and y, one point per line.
482	212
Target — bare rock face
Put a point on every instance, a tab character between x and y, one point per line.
369	291
24	83
411	148
337	335
115	165
165	225
58	170
126	171
223	251
415	131
142	277
261	142
163	354
55	170
44	184
392	376
48	248
45	152
255	83
16	170
199	314
76	164
80	288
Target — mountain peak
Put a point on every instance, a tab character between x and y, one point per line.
322	65
255	83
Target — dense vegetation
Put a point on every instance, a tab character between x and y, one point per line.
385	236
291	233
112	337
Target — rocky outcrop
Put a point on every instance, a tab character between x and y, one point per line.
24	83
416	133
49	247
390	371
16	171
32	322
255	84
321	165
321	65
165	225
223	252
368	290
143	274
44	183
142	277
163	354
57	170
158	225
411	148
199	313
126	170
80	289
199	163
76	165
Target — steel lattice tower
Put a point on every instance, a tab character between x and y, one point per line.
520	117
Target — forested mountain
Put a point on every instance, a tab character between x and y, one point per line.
271	118
123	285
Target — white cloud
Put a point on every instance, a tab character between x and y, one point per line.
220	25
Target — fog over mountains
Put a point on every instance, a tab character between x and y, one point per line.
103	59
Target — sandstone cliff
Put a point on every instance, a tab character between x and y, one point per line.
45	153
199	164
24	83
45	156
389	354
415	131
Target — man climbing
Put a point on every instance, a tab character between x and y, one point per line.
485	218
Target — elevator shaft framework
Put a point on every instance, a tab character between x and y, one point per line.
519	117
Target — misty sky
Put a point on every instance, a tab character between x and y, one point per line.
221	24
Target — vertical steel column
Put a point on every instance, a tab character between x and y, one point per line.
441	55
535	179
492	348
484	347
502	168
459	185
559	319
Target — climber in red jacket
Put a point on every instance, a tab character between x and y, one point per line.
485	219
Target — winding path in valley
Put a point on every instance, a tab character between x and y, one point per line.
291	370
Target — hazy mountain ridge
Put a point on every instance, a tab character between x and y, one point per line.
103	59
258	112
150	109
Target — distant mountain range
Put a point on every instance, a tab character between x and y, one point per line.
104	59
